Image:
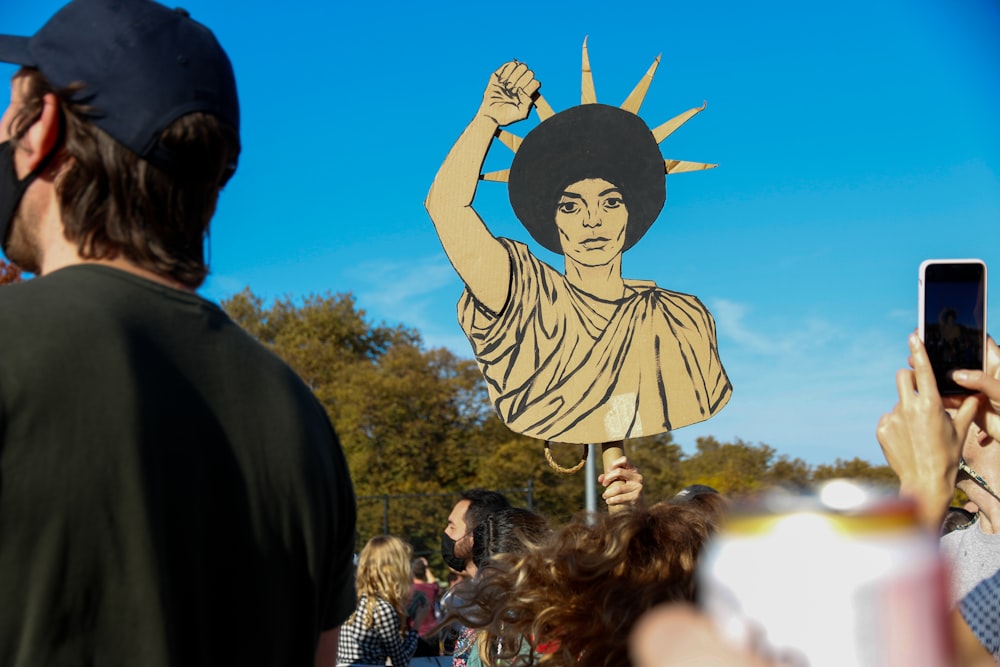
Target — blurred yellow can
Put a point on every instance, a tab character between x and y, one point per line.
839	576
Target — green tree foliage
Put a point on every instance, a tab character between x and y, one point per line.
411	420
417	424
736	468
731	468
856	469
519	459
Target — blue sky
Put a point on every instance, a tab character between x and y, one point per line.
855	139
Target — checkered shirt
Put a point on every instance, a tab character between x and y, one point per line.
360	645
981	610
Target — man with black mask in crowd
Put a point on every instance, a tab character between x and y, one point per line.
456	550
456	541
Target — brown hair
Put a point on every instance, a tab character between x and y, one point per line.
582	591
507	531
114	203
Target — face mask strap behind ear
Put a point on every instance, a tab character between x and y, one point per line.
11	188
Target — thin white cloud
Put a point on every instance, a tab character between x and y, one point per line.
811	388
419	293
777	337
389	283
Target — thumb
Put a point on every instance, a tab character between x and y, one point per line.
964	416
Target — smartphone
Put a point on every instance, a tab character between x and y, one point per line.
953	317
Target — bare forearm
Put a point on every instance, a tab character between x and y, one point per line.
477	256
457	179
480	259
932	499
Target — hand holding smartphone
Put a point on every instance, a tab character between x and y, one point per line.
953	317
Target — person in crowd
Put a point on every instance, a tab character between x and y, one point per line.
690	493
679	635
512	532
958	518
623	484
381	626
454	578
507	531
425	584
924	440
973	548
575	596
473	506
172	493
450	630
457	541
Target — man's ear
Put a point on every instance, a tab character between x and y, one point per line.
43	135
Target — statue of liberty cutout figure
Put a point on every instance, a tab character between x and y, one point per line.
583	356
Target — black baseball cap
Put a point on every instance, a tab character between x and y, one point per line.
689	493
142	66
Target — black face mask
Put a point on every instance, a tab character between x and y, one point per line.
11	189
448	554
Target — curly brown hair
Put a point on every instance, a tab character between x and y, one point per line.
114	203
575	598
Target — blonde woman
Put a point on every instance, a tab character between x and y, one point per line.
380	627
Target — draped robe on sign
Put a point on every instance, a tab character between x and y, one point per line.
565	366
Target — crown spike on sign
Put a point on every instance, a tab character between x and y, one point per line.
668	128
638	94
496	176
681	166
511	141
543	108
631	104
587	93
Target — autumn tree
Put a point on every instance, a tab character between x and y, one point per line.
9	273
417	427
731	468
411	420
856	469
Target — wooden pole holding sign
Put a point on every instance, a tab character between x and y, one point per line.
611	452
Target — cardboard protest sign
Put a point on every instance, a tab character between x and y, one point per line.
581	355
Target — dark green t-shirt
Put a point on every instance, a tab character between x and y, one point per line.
171	493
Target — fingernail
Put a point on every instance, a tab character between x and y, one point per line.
961	376
914	340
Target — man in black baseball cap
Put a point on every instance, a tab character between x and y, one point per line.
170	492
130	69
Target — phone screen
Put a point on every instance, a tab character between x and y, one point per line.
953	325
